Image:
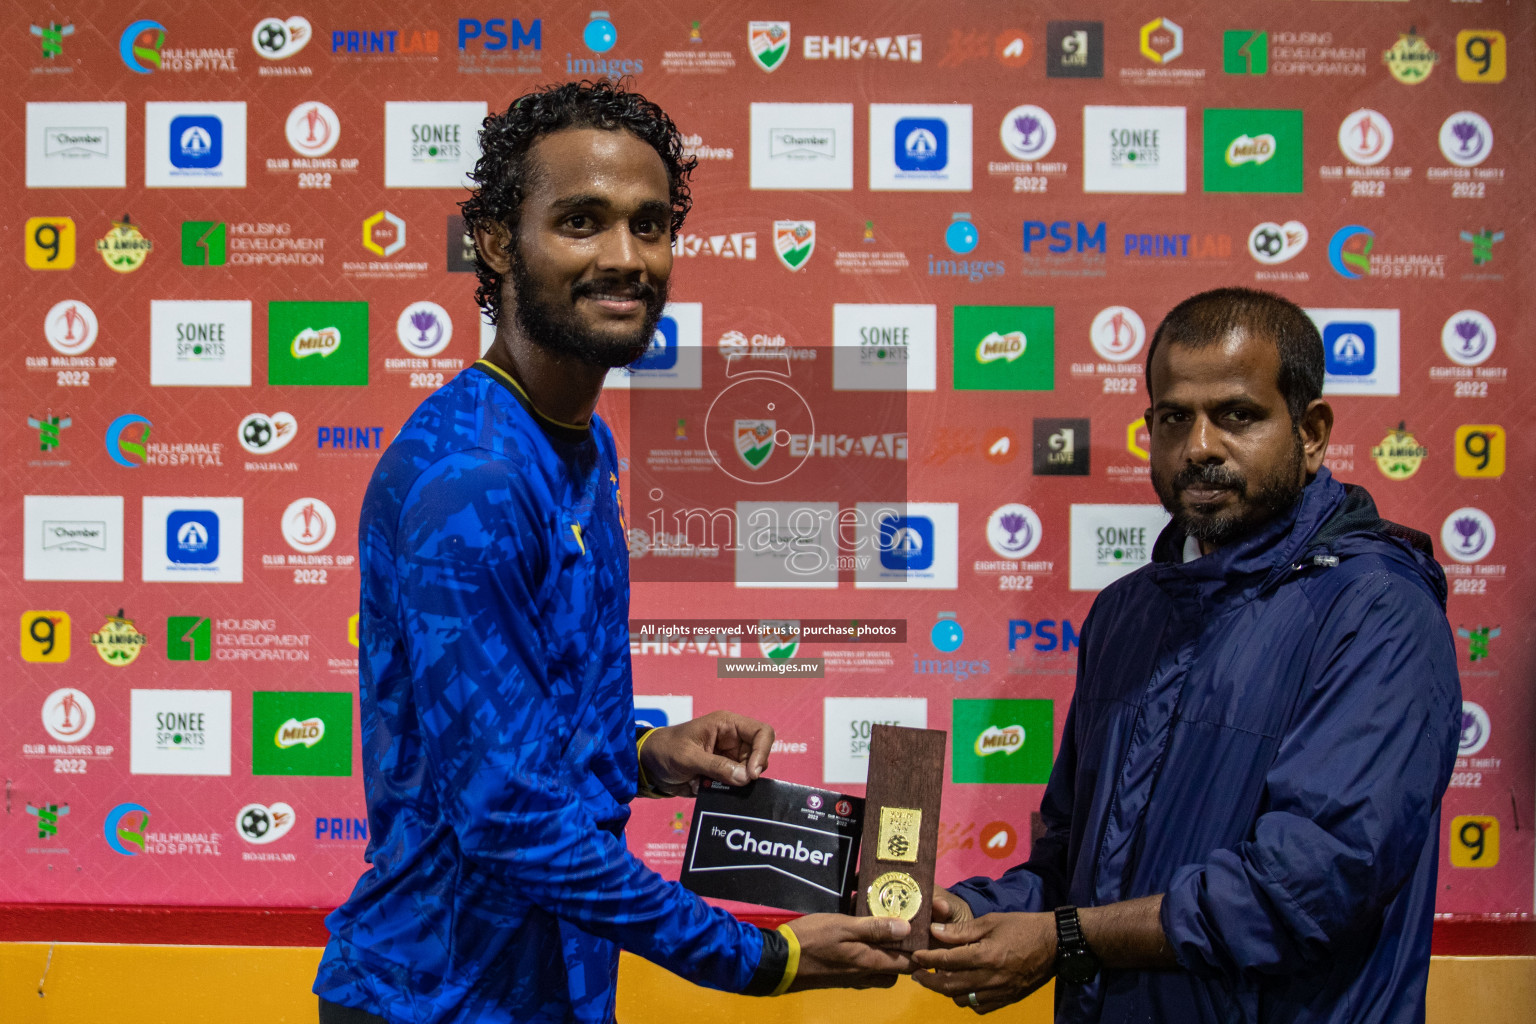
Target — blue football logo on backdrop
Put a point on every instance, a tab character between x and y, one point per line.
922	144
197	142
1349	349
906	543
192	537
662	355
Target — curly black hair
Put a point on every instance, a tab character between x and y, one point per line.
502	174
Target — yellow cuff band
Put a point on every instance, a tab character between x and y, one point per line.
792	965
645	784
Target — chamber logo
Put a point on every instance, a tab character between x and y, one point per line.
769	43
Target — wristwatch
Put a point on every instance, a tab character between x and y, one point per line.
1075	962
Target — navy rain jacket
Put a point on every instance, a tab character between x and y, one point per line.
1262	734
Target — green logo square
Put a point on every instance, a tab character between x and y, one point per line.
1007	741
317	343
301	733
1244	52
203	243
1005	348
1253	151
188	638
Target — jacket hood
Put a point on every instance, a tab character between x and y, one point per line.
1332	521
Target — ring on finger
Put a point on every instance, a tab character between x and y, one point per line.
971	998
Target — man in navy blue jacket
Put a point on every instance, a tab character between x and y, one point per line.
1243	820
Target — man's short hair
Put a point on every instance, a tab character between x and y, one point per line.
503	173
1209	317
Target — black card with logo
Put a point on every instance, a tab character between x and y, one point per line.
776	844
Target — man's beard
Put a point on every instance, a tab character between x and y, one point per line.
1272	497
557	328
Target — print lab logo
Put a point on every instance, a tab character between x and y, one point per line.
309	525
281	38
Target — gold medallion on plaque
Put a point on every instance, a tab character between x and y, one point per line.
899	828
895	894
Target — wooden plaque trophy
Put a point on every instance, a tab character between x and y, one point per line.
901	827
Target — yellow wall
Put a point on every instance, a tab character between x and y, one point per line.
96	984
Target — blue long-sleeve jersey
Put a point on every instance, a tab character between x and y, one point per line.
1263	735
498	733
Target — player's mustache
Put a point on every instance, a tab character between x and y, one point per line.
1209	476
614	290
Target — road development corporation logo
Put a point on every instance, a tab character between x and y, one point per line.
68	715
1271	243
1002	741
424	328
309	525
125	827
802	146
768	42
431	145
70	327
1014	531
1467	535
264	823
1028	132
1466	139
1365	137
77	145
1468	338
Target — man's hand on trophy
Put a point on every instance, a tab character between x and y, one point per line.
949	908
837	951
722	745
992	960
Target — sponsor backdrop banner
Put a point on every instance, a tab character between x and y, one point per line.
883	453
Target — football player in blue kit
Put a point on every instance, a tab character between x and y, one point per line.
499	747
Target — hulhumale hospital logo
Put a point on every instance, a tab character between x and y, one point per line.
1349	251
125	828
140	46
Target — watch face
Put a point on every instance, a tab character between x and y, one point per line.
1077	967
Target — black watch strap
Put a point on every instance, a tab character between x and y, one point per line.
1076	964
1069	930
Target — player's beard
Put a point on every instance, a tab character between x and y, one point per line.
557	327
1270	497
